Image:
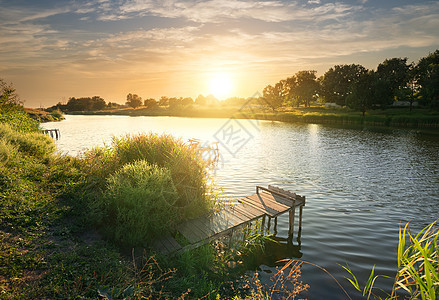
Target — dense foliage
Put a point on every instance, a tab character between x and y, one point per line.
351	85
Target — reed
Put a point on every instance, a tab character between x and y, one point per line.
418	266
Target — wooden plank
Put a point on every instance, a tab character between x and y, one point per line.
166	245
158	246
238	215
218	223
174	243
271	201
241	210
256	211
282	200
202	227
266	203
267	210
191	232
170	243
234	220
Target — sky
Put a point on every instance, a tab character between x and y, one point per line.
51	50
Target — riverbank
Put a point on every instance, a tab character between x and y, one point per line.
44	116
393	117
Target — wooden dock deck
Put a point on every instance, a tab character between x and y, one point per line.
271	202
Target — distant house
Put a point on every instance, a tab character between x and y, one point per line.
330	104
404	104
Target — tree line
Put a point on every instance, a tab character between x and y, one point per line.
359	88
350	85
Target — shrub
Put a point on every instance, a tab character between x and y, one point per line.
139	203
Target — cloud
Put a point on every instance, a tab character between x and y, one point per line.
217	11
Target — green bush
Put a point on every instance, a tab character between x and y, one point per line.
140	203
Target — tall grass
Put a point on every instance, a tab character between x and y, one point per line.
140	203
418	266
30	143
146	182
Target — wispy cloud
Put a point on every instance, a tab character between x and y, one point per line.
217	11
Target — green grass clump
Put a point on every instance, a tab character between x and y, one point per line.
188	169
160	173
418	266
140	203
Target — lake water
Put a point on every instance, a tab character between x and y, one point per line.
360	184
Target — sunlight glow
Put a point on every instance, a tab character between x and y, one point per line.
221	86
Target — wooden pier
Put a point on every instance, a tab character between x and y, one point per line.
53	133
267	202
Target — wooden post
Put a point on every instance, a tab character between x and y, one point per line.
269	223
263	224
300	217
292	213
275	225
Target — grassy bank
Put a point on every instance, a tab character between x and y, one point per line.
43	116
392	117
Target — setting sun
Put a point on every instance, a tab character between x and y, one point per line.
221	86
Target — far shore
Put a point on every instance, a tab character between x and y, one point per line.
391	117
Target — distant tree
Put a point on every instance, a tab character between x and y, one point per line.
393	74
307	87
9	98
427	77
200	100
98	103
113	105
187	101
361	96
164	101
174	102
150	103
337	81
85	104
289	86
133	100
273	96
235	101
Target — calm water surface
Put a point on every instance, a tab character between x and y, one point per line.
360	184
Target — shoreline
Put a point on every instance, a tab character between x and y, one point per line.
390	118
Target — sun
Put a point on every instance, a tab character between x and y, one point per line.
221	86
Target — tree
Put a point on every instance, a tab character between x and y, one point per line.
361	96
187	101
200	100
393	75
289	86
337	81
164	101
427	77
97	103
150	103
273	96
9	99
134	100
307	86
85	104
